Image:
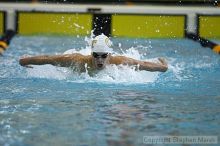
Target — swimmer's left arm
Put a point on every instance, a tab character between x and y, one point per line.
151	66
142	65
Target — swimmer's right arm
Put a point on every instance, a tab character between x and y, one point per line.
56	60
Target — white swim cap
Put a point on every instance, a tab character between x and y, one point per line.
101	43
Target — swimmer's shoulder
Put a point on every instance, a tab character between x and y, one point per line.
86	63
82	58
78	56
118	60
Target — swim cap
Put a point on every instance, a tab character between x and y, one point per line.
101	43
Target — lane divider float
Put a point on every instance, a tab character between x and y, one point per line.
5	40
204	42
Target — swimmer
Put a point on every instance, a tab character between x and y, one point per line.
101	56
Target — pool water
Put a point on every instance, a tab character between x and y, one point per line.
49	105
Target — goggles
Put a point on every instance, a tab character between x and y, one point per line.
100	55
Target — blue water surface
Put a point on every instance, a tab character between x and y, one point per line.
49	107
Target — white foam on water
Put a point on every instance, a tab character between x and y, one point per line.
118	74
48	71
125	74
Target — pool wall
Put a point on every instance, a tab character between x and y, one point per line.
142	21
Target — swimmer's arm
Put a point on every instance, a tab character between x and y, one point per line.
56	60
151	66
142	65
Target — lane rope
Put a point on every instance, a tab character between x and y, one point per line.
204	42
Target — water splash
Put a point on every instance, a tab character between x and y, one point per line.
111	74
48	71
117	74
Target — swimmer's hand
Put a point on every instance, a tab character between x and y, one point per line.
164	63
23	62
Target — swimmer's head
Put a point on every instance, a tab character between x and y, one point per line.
101	51
101	43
